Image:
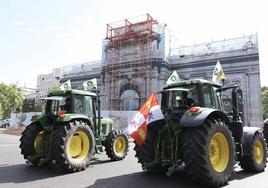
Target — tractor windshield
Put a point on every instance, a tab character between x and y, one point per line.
54	104
182	97
83	105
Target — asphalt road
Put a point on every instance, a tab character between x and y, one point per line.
102	173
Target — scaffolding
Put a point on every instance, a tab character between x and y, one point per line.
130	50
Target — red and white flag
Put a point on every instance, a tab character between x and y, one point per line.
149	113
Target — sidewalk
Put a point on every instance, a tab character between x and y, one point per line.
13	131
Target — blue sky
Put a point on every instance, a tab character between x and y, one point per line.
39	35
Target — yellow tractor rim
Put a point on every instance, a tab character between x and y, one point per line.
78	145
258	151
219	152
120	145
38	142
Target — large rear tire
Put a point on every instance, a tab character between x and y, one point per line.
256	161
208	152
73	146
116	145
31	142
146	151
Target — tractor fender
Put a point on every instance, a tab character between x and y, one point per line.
78	117
248	135
190	119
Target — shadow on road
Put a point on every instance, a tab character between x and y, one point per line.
145	179
21	173
240	175
96	161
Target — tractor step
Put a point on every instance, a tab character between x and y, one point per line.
99	147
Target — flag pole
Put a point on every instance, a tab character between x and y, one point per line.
223	82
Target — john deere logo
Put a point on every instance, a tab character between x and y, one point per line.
141	133
173	78
89	83
66	86
216	71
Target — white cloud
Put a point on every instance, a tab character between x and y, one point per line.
24	4
64	35
64	41
31	29
43	29
53	29
17	23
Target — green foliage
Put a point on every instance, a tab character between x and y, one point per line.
264	88
39	107
10	100
54	87
1	112
28	105
264	94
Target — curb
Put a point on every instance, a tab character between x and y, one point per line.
12	131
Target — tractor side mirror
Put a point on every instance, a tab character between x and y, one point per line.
240	96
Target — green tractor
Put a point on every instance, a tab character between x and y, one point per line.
200	135
265	130
70	132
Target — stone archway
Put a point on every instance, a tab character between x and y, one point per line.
129	97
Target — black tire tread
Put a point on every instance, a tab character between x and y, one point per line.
265	133
248	163
60	135
145	152
27	141
195	143
109	145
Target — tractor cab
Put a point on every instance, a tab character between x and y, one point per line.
183	95
71	104
72	101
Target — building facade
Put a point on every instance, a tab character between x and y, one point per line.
239	59
137	59
45	82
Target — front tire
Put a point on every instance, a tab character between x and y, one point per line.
256	161
208	152
31	142
73	146
116	145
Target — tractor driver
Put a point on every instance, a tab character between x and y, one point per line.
180	104
66	107
188	101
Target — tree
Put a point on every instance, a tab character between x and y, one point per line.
39	107
1	112
264	94
264	88
11	100
28	105
54	87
